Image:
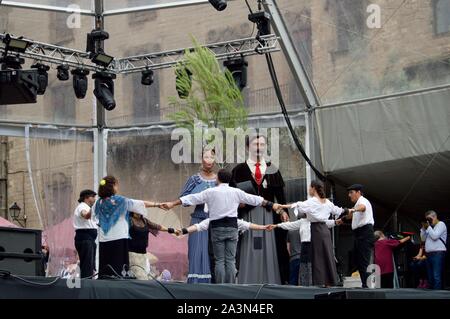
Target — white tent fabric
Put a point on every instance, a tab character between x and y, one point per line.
398	147
384	130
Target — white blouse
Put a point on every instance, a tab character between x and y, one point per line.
120	230
316	211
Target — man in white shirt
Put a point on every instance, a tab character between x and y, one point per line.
223	202
85	233
434	234
362	226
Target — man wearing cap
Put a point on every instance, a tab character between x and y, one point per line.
85	233
362	226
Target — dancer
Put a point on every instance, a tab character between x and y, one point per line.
198	244
263	257
223	202
140	227
318	210
112	210
85	233
362	226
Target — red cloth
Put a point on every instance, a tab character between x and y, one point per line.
383	254
258	175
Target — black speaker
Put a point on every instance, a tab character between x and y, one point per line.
20	251
352	294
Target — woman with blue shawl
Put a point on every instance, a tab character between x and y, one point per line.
198	251
112	212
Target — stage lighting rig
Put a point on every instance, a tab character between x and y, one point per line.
238	69
219	5
15	44
104	89
80	82
147	77
42	77
62	72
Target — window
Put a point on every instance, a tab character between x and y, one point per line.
145	99
60	33
63	102
441	10
349	20
137	18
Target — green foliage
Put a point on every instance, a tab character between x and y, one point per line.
213	98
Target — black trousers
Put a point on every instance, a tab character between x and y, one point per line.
86	248
387	280
363	250
113	258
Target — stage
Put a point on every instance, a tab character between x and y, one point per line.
50	288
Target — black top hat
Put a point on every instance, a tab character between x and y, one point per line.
355	187
85	194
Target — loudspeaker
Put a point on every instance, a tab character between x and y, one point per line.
352	294
20	251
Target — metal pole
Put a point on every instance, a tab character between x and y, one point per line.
301	77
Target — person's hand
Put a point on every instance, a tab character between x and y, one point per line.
166	205
425	225
178	232
241	205
271	227
284	217
339	222
276	207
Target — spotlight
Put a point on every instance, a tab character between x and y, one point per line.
15	44
104	89
11	62
238	69
80	82
147	77
219	5
183	83
63	72
262	20
42	77
102	59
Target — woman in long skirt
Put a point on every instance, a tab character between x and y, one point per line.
198	243
318	210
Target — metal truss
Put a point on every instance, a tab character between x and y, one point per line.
222	50
78	59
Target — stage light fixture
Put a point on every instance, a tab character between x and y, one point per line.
80	82
183	88
104	89
42	77
262	20
102	59
219	5
63	72
15	44
238	69
147	77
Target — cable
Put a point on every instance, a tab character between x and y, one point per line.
279	95
6	274
159	282
248	6
259	290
